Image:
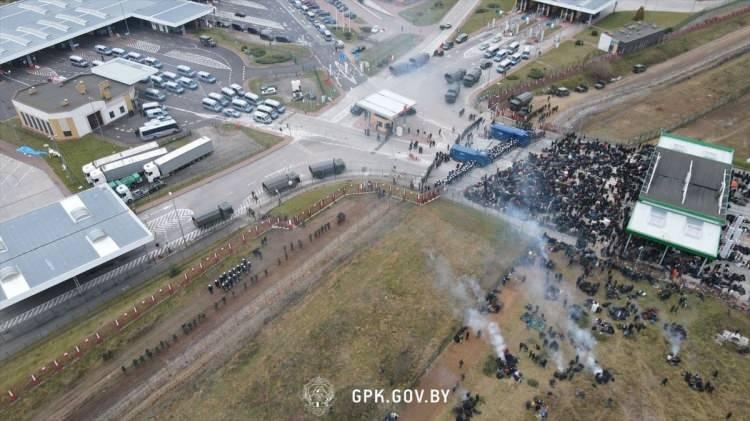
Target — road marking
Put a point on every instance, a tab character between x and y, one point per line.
196	59
142	45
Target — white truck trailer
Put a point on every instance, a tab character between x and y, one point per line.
166	165
127	153
124	167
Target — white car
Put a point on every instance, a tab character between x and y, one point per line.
375	29
497	38
268	90
483	46
231	112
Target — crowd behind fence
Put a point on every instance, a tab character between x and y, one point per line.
239	243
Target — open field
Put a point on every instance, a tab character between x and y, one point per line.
378	56
638	364
567	54
663	19
376	321
484	13
302	201
728	125
259	52
427	12
671	104
76	152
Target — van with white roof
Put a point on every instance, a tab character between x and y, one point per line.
268	110
78	61
262	117
242	105
237	88
185	70
221	99
276	105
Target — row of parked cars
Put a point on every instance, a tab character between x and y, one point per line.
233	100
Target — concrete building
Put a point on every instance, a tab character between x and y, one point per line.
684	199
73	108
29	26
633	37
383	110
582	11
61	241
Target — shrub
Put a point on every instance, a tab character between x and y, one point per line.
256	51
481	10
493	6
594	33
348	35
536	73
512	77
489	368
599	70
532	383
174	270
639	14
273	58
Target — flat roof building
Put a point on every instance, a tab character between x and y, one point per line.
684	200
633	37
569	10
27	26
74	107
384	107
124	71
60	241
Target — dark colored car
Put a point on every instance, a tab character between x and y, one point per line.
639	68
356	109
446	26
600	84
358	49
240	14
485	64
582	88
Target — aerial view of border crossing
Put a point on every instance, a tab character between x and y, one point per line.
387	210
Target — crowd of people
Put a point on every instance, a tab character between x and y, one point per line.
462	168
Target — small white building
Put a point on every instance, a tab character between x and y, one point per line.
73	108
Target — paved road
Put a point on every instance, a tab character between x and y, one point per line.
24	187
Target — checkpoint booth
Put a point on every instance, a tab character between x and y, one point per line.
385	109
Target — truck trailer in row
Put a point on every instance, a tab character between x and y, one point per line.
166	165
502	132
222	212
129	195
327	168
281	183
124	167
465	154
127	153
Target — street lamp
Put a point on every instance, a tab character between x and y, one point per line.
179	222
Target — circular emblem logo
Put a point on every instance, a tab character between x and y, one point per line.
318	395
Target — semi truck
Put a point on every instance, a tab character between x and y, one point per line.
472	77
281	183
128	181
127	153
465	154
520	101
124	167
452	93
167	164
222	212
502	132
419	60
129	195
327	168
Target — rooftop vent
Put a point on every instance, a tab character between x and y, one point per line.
80	213
95	235
71	19
32	8
92	12
7	273
59	3
59	26
81	87
3	246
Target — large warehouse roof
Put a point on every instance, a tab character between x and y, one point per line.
386	104
591	7
55	243
27	26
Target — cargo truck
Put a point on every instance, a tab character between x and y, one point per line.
502	132
472	77
520	101
127	153
452	93
465	154
327	168
166	165
124	167
419	60
281	183
128	181
222	212
129	195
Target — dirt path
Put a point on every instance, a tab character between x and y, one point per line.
579	107
104	386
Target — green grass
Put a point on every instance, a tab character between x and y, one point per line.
302	201
566	55
379	55
428	12
340	33
264	53
484	13
664	19
325	87
76	152
377	320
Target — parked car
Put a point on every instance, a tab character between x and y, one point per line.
600	84
483	46
358	49
639	68
582	88
104	50
497	38
356	109
206	77
231	112
447	45
268	90
485	64
446	26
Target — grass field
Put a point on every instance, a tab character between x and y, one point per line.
638	363
378	56
619	19
567	54
76	152
302	201
258	51
427	12
671	104
484	13
376	321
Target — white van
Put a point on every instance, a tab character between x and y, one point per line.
262	117
153	113
526	54
276	105
221	99
154	94
504	66
188	83
514	46
174	87
211	105
252	98
158	81
327	35
185	70
153	62
151	105
238	89
78	61
516	58
103	50
118	52
242	105
228	92
133	56
169	76
268	110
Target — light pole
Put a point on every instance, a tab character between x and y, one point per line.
179	222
